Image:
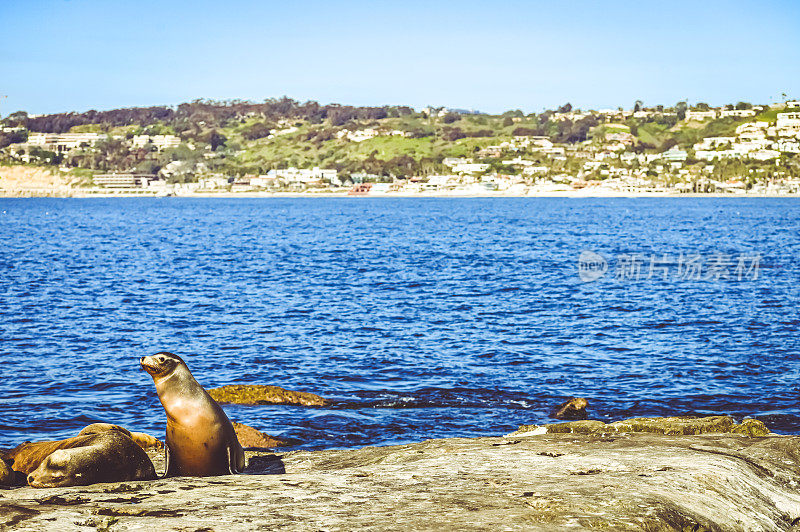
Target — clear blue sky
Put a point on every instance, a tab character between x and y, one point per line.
64	55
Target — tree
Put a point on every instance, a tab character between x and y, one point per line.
566	108
13	137
637	106
216	139
16	119
451	134
681	108
449	118
256	131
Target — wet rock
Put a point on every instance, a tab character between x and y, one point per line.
659	425
574	408
251	437
258	394
751	427
571	427
567	481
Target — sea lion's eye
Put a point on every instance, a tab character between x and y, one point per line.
161	360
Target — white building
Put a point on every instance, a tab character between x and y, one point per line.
752	131
453	161
764	155
675	154
518	161
213	182
533	141
124	181
622	137
64	141
710	143
738	113
788	124
710	155
303	175
470	168
161	142
789	146
357	136
535	170
701	115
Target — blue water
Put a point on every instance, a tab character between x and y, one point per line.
419	318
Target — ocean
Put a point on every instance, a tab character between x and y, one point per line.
417	318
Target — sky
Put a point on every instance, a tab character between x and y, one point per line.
76	55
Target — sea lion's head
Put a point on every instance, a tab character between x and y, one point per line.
54	472
161	364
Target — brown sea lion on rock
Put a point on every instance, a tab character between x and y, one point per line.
27	456
6	474
145	441
200	439
575	408
109	456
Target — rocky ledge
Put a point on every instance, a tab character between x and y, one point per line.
259	394
524	481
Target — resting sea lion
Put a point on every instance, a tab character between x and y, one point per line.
200	438
27	456
105	457
6	474
145	441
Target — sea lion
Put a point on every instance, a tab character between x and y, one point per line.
6	474
108	456
574	408
200	438
145	441
27	456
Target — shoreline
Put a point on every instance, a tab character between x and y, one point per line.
277	195
535	482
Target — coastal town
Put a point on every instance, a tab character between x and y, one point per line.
741	148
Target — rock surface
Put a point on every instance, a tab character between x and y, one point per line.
657	425
251	437
259	394
562	481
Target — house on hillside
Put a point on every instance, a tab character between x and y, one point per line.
701	115
738	113
161	142
675	154
788	124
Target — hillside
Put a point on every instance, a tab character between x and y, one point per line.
235	139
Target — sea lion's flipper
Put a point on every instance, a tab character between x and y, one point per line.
235	459
166	461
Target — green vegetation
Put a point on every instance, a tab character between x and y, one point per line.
239	138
